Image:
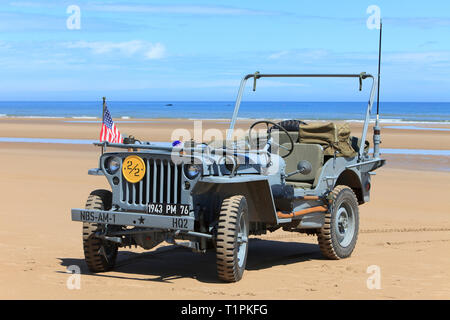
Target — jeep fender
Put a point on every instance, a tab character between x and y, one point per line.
209	193
336	172
351	178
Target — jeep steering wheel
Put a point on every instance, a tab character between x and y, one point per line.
269	131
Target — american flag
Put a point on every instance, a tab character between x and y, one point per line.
109	131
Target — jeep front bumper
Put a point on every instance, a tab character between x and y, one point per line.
134	219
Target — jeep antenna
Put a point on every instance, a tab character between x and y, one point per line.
376	128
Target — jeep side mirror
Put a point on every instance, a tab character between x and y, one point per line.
303	167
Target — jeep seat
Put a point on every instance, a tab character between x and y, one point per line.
309	152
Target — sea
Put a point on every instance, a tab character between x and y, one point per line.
435	112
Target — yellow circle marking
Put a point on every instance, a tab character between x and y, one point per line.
133	168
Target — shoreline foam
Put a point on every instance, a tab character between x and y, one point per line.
124	119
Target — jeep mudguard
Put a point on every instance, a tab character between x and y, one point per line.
258	194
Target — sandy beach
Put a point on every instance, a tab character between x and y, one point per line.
405	229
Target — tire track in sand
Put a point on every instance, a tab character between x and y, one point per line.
364	231
395	230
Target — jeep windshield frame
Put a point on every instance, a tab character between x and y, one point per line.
362	76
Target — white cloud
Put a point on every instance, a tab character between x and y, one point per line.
278	84
418	57
194	10
310	54
4	45
262	83
413	58
156	51
278	55
129	48
26	4
421	22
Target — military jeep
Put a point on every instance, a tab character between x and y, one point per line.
300	177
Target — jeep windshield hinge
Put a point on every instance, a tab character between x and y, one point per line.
362	76
255	77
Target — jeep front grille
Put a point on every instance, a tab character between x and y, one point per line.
161	184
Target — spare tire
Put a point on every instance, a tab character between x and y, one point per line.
291	125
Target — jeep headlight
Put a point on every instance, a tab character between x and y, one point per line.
191	171
112	165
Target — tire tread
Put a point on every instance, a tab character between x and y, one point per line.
96	262
225	252
324	237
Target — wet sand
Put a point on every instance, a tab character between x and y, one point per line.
161	130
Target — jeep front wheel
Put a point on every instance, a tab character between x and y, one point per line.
337	238
232	239
100	255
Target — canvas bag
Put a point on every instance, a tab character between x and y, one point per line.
334	139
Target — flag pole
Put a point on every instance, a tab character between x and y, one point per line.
104	108
103	119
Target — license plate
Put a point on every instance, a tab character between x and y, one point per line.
134	219
98	217
168	209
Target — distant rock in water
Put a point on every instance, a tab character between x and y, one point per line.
169	105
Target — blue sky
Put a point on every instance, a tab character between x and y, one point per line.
199	50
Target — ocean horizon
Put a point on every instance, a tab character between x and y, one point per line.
393	111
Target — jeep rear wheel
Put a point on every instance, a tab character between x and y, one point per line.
338	236
100	255
232	239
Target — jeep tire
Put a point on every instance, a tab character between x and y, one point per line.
100	255
337	238
232	239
